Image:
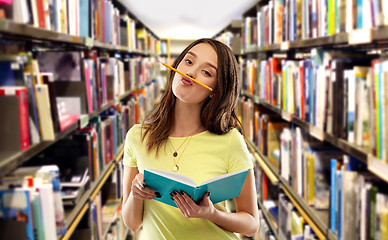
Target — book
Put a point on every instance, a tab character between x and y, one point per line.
12	71
349	205
43	185
64	66
47	78
15	207
21	131
167	182
44	112
285	208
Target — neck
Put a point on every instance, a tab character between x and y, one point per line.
186	120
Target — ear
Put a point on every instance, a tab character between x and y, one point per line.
212	95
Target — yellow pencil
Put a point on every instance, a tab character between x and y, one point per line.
181	73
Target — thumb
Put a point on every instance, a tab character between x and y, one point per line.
206	199
208	195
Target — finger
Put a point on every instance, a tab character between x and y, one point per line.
142	187
190	204
144	192
142	195
181	203
207	199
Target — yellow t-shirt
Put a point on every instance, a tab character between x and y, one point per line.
206	156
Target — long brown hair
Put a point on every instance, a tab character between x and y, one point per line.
218	114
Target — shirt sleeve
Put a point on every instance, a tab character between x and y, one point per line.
129	160
239	154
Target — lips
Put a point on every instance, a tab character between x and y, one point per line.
186	81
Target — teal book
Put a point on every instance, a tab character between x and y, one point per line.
221	188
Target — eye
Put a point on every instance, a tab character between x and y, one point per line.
188	61
206	73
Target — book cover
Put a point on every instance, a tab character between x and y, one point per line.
297	223
93	58
47	79
37	215
32	109
349	204
24	131
299	158
322	168
384	6
351	15
339	212
21	13
286	154
12	71
65	66
89	87
15	206
40	10
44	112
273	140
333	194
94	162
372	213
285	208
34	12
97	124
167	182
362	122
84	17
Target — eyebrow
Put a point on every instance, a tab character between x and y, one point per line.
208	63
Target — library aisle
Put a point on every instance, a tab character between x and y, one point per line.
75	76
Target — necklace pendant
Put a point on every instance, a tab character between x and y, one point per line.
175	154
175	168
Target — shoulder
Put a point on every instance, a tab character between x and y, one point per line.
134	132
235	135
236	139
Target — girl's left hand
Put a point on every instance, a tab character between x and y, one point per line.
190	209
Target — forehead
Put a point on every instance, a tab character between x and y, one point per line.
205	52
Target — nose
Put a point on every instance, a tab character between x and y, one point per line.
189	74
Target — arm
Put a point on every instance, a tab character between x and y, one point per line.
134	193
244	221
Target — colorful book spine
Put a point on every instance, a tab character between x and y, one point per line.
333	195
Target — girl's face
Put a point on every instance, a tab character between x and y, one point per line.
200	63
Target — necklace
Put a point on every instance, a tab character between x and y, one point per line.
175	154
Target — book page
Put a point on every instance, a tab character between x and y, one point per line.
222	176
174	176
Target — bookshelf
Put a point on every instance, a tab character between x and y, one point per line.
74	216
133	59
359	152
231	36
275	49
269	219
311	215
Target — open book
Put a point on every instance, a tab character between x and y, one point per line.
221	188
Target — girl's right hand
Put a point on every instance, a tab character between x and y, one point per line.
139	190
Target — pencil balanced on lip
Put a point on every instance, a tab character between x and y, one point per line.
181	73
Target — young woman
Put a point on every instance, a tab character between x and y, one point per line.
192	131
